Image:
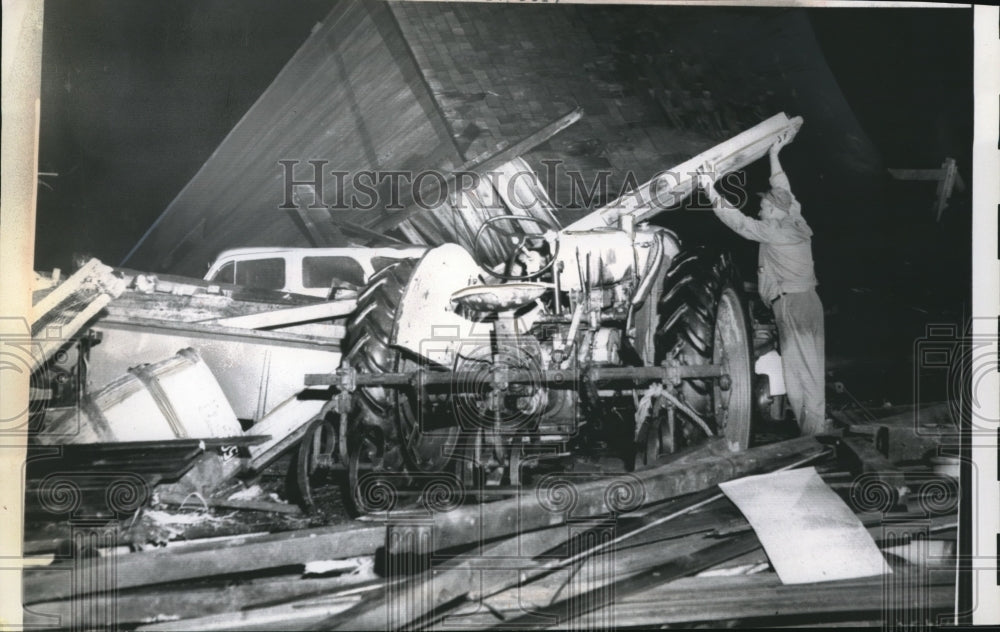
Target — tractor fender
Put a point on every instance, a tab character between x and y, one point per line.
426	323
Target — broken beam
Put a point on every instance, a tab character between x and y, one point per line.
194	603
289	316
438	588
220	332
710	464
239	555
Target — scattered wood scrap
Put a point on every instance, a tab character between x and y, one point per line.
227	503
688	552
94	471
59	311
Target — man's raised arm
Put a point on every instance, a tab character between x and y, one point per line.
778	177
747	227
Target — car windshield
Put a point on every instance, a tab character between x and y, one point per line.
322	272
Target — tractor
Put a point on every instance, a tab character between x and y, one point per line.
609	336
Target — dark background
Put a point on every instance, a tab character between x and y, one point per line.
136	96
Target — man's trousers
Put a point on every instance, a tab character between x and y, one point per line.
799	317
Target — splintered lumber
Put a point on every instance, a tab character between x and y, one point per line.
504	571
182	303
492	569
297	616
290	316
696	599
686	561
524	515
239	555
416	599
92	279
191	604
221	332
250	505
486	571
147	290
58	315
670	187
703	468
684	564
598	574
715	516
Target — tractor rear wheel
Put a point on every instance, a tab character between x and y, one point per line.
396	413
703	320
700	318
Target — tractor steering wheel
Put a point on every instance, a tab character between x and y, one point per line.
523	239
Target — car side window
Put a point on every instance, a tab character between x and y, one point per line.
321	272
267	274
225	274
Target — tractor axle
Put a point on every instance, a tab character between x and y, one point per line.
348	379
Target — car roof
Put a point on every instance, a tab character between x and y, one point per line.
341	250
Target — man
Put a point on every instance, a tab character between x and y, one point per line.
787	282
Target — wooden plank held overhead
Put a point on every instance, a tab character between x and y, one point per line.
671	186
351	99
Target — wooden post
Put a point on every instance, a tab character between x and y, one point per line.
947	177
21	63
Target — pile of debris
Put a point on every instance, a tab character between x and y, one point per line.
659	547
171	380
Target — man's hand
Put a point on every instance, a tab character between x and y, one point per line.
780	142
706	180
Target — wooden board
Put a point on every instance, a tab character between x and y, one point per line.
239	555
701	469
675	183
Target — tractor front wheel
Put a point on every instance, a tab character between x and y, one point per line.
399	417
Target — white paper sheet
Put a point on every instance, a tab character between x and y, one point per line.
807	531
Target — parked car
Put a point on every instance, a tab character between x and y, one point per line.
310	271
